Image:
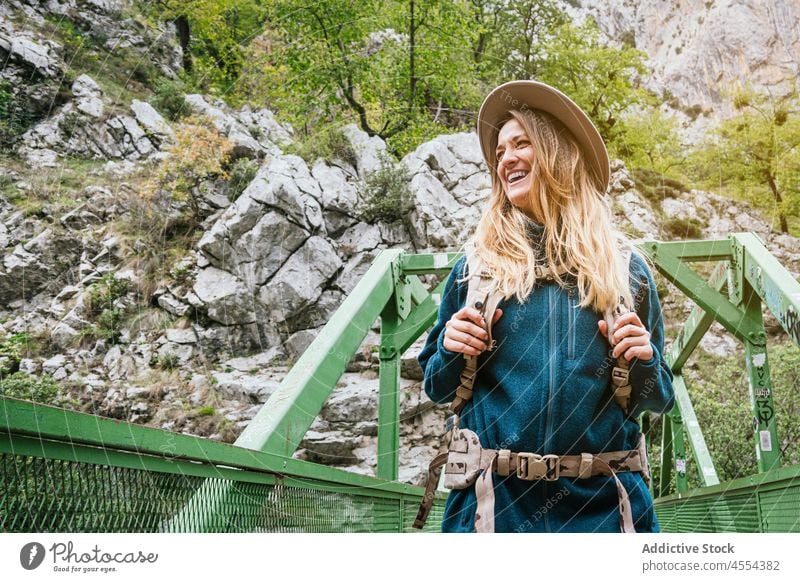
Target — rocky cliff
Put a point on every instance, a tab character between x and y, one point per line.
699	49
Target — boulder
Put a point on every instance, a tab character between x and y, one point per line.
301	279
224	296
151	122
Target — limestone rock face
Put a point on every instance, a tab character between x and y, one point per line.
698	48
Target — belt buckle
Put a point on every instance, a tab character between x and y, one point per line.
531	466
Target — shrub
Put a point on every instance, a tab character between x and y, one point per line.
70	123
170	99
19	110
11	352
11	122
103	308
199	156
241	172
329	144
167	361
385	193
683	228
655	187
43	390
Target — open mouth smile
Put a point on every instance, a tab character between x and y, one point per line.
516	176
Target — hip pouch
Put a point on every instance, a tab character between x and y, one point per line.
463	459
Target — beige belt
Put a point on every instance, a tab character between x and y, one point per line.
466	462
532	467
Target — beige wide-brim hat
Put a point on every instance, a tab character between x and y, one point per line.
526	95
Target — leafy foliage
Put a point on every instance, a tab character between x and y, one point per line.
386	196
757	154
599	78
719	391
170	99
11	351
199	156
43	390
13	119
650	142
105	308
407	71
213	34
720	396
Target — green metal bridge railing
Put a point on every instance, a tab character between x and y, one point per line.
67	471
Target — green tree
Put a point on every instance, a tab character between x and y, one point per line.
383	64
515	37
601	79
650	141
212	34
757	153
408	70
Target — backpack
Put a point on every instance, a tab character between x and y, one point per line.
467	462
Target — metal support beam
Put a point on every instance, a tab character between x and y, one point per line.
389	397
666	456
283	421
419	320
429	263
691	250
697	441
679	452
760	388
696	325
776	287
712	301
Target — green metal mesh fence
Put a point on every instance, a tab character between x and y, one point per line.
736	506
51	495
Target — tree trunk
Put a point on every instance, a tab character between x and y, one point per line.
779	199
184	37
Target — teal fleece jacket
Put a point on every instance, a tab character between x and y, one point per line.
545	388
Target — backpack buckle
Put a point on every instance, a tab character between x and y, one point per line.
619	376
531	466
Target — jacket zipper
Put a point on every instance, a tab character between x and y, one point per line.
570	327
552	370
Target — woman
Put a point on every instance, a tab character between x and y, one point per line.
545	387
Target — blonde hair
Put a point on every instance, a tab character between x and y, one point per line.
578	234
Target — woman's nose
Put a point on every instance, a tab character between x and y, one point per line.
506	157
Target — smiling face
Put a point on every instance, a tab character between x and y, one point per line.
515	158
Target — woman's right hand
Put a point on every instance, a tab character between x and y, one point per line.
466	331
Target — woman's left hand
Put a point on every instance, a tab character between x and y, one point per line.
630	337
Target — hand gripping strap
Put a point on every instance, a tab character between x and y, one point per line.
620	374
481	297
